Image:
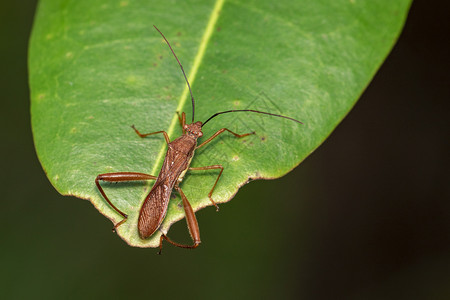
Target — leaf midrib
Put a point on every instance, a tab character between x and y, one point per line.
192	74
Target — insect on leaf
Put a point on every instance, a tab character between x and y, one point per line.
97	67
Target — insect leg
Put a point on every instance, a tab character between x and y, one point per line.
182	120
219	132
214	186
143	135
192	224
119	177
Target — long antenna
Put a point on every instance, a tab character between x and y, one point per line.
182	70
250	110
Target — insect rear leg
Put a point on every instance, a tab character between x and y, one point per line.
143	135
221	131
192	224
119	177
215	183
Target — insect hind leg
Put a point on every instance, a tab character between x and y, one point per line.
192	224
120	177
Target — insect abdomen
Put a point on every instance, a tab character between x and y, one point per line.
153	210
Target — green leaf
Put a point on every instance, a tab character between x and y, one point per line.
97	67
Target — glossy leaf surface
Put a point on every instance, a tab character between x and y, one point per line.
97	67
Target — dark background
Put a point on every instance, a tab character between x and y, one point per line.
366	216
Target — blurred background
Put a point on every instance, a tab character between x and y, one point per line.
366	216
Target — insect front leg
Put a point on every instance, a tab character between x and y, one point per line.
219	132
119	177
214	186
182	120
143	135
192	224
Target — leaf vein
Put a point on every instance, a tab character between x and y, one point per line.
192	74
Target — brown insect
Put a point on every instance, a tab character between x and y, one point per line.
176	163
